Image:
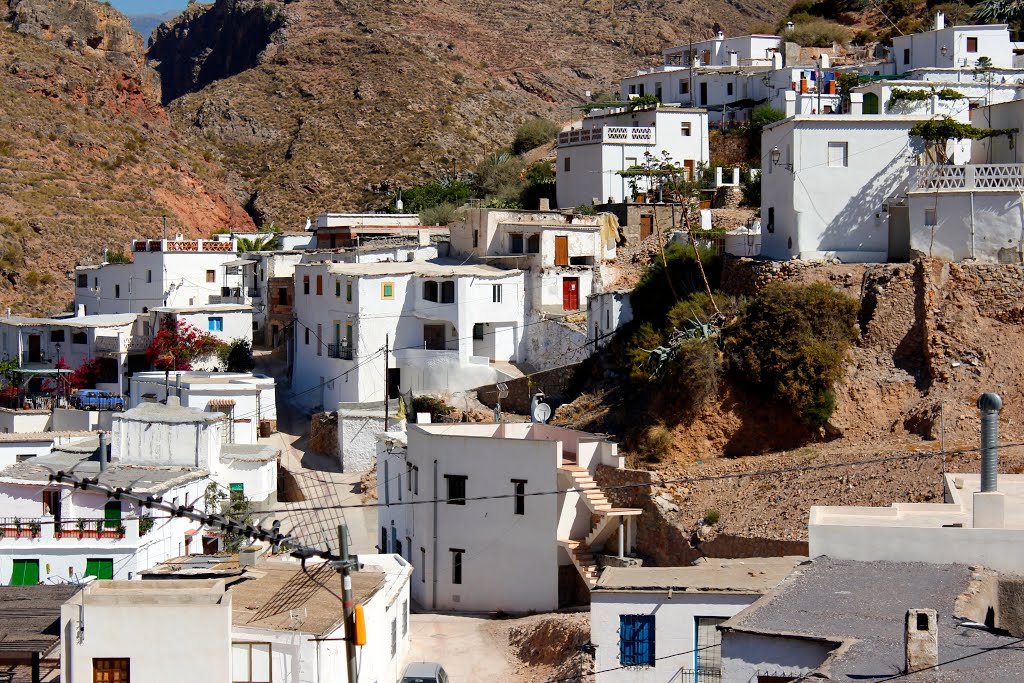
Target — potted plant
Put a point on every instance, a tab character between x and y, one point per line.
121	530
145	525
35	529
17	526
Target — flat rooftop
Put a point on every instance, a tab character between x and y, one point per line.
205	308
184	592
862	606
81	321
421	268
756	575
280	595
931	515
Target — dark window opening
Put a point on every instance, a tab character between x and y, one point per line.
520	496
515	243
456	488
448	292
430	291
457	565
922	618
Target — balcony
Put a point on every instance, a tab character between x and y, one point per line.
106	345
139	342
74	528
341	351
610	135
1008	177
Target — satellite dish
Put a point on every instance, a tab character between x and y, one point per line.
502	390
541	412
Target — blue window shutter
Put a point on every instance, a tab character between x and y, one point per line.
645	641
627	654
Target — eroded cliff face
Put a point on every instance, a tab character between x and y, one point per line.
207	43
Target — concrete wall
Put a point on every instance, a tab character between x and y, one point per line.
24	421
674	630
985	225
554	383
926	48
199	650
357	438
745	655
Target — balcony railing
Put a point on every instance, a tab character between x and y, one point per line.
616	135
972	177
702	676
81	527
106	344
139	342
342	351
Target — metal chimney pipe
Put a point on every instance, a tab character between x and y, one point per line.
102	450
177	385
990	404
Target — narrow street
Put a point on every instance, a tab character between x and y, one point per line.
466	646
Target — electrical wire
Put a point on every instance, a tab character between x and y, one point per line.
619	668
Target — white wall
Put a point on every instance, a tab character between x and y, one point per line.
993	41
745	655
23	421
606	313
985	225
674	630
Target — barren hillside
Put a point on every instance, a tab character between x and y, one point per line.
327	104
88	158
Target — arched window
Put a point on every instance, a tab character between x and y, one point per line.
430	291
448	292
870	103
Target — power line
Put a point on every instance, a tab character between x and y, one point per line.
619	668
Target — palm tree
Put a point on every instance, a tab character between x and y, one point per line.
259	243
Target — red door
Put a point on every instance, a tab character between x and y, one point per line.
570	293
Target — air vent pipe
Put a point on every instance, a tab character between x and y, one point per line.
990	404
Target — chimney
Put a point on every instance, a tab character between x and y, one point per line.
103	452
823	61
790	26
989	504
80	311
173	401
776	60
177	386
734	58
856	104
545	204
940	21
790	104
921	640
250	556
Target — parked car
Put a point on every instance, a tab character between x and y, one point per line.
424	672
96	399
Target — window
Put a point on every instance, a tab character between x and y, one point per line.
636	639
632	88
496	294
478	330
394	637
430	291
398	482
448	292
216	324
348	291
57	336
708	647
515	243
423	565
25	573
337	288
972	44
101	568
684	86
728	88
771	219
305	284
387	290
533	244
685	129
112	515
250	662
476	239
415	480
149	276
567	164
282	296
83	281
457	565
51	503
237	492
456	488
307	336
519	485
931	218
211	276
319	285
108	670
319	339
117	291
838	155
79	338
906	55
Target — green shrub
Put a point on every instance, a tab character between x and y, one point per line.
441	191
236	356
442	214
533	134
751	188
500	176
790	344
898	9
433	405
712	517
118	257
693	374
644	340
652	298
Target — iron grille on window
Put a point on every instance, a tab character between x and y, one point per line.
702	676
342	351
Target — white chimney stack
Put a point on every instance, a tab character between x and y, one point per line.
921	640
734	58
856	104
940	21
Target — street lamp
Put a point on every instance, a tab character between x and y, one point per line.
777	156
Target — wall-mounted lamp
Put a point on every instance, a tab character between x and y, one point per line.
943	50
777	156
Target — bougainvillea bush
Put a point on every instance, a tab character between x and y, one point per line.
177	345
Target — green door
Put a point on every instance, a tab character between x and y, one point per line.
26	573
100	568
112	515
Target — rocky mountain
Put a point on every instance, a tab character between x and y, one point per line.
88	157
145	24
330	104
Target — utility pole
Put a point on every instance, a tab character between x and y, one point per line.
347	603
387	380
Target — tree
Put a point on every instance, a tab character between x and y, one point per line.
237	356
236	507
178	344
533	134
999	11
258	243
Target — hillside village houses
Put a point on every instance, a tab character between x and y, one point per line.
552	539
56	532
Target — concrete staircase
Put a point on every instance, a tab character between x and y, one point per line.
581	551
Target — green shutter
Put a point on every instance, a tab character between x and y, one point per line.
18	573
112	514
25	573
100	568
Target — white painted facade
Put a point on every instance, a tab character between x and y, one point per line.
176	272
974	93
954	47
22	421
606	313
358	427
960	530
226	322
244	397
443	325
15	447
746	656
592	153
802	213
473	556
194	616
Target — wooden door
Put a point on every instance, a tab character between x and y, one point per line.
34	348
571	293
688	169
561	251
433	337
646	226
110	670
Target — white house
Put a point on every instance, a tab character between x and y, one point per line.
19	447
226	322
176	272
592	154
472	554
243	398
953	47
834	187
97	646
606	313
444	325
641	616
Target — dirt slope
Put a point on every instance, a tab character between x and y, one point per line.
88	158
346	98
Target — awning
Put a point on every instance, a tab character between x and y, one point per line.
221	403
239	262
